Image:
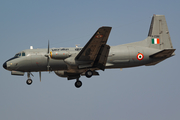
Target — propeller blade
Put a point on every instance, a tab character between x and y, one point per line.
48	57
48	47
40	76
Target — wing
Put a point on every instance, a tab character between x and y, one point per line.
92	49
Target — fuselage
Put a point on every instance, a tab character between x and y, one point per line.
121	56
73	63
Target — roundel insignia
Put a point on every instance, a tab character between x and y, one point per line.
140	56
99	36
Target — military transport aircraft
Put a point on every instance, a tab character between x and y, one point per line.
95	55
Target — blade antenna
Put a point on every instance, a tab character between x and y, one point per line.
40	75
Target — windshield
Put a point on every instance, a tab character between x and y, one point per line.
19	55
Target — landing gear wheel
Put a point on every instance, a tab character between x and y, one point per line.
89	73
29	81
78	84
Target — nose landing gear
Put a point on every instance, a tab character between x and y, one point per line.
29	80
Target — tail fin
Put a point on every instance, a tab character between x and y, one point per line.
158	36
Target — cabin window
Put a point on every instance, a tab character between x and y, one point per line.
77	49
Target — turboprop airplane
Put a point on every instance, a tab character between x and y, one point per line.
73	63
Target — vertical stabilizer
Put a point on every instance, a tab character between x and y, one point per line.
158	36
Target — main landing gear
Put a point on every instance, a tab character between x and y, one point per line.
88	74
78	83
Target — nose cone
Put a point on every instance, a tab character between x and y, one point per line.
5	65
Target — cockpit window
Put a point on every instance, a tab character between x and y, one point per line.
23	54
18	55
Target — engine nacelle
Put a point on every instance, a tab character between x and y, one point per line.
69	76
61	73
60	55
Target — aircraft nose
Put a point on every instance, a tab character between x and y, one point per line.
5	65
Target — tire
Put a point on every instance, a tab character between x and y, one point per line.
29	81
89	73
78	84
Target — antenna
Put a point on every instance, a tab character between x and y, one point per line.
31	47
77	45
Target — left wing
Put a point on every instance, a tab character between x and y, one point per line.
96	49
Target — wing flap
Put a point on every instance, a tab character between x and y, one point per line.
101	58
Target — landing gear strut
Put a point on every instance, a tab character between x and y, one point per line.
78	83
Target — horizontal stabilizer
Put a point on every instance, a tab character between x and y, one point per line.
154	63
163	54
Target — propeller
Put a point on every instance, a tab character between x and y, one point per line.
48	57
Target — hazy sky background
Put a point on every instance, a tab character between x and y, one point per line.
141	93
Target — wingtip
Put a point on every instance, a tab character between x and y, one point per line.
106	27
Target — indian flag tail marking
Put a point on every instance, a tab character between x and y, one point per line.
155	41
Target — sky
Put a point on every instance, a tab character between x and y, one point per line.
139	93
